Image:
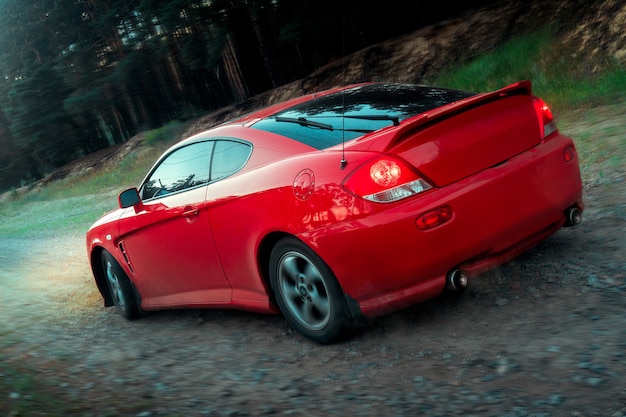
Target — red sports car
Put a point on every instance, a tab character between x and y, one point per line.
340	205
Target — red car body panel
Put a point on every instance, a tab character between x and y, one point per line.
496	214
505	186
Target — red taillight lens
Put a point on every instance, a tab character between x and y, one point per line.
434	218
385	172
546	118
569	153
384	180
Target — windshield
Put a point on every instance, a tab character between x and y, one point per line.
329	120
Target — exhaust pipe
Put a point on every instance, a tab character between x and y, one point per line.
456	280
573	217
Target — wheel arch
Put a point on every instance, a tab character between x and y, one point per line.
98	273
263	259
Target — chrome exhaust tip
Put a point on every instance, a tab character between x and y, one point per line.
573	217
456	280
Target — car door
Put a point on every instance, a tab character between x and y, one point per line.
168	243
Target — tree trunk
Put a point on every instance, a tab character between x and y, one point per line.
233	71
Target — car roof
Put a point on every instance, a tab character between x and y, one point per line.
346	113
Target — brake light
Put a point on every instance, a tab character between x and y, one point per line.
385	180
385	172
545	117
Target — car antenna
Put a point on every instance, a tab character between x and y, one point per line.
343	163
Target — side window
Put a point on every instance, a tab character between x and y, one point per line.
228	157
184	168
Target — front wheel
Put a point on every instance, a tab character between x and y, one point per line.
120	287
307	292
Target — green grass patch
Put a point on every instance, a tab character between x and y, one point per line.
561	82
72	204
165	133
599	137
55	217
516	60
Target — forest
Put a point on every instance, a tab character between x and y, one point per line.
77	76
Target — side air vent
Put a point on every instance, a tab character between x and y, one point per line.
126	258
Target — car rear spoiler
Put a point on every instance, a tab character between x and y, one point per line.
424	120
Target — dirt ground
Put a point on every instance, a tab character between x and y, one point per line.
544	335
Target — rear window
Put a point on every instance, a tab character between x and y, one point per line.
329	120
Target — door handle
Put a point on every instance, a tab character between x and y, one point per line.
190	211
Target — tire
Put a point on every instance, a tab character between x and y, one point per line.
307	292
120	288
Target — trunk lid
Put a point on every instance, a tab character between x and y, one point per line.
478	133
464	137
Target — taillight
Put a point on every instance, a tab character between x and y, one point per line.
385	180
545	117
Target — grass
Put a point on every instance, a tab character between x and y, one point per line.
165	133
599	136
72	204
562	83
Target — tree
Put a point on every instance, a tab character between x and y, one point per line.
33	35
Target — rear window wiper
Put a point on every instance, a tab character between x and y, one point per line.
310	123
394	119
304	122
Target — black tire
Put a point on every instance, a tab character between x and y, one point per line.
307	292
120	288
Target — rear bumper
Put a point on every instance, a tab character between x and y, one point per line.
384	262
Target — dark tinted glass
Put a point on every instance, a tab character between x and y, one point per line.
326	121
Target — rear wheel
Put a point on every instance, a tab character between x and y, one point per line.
120	287
307	292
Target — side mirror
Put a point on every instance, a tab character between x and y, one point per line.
129	198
